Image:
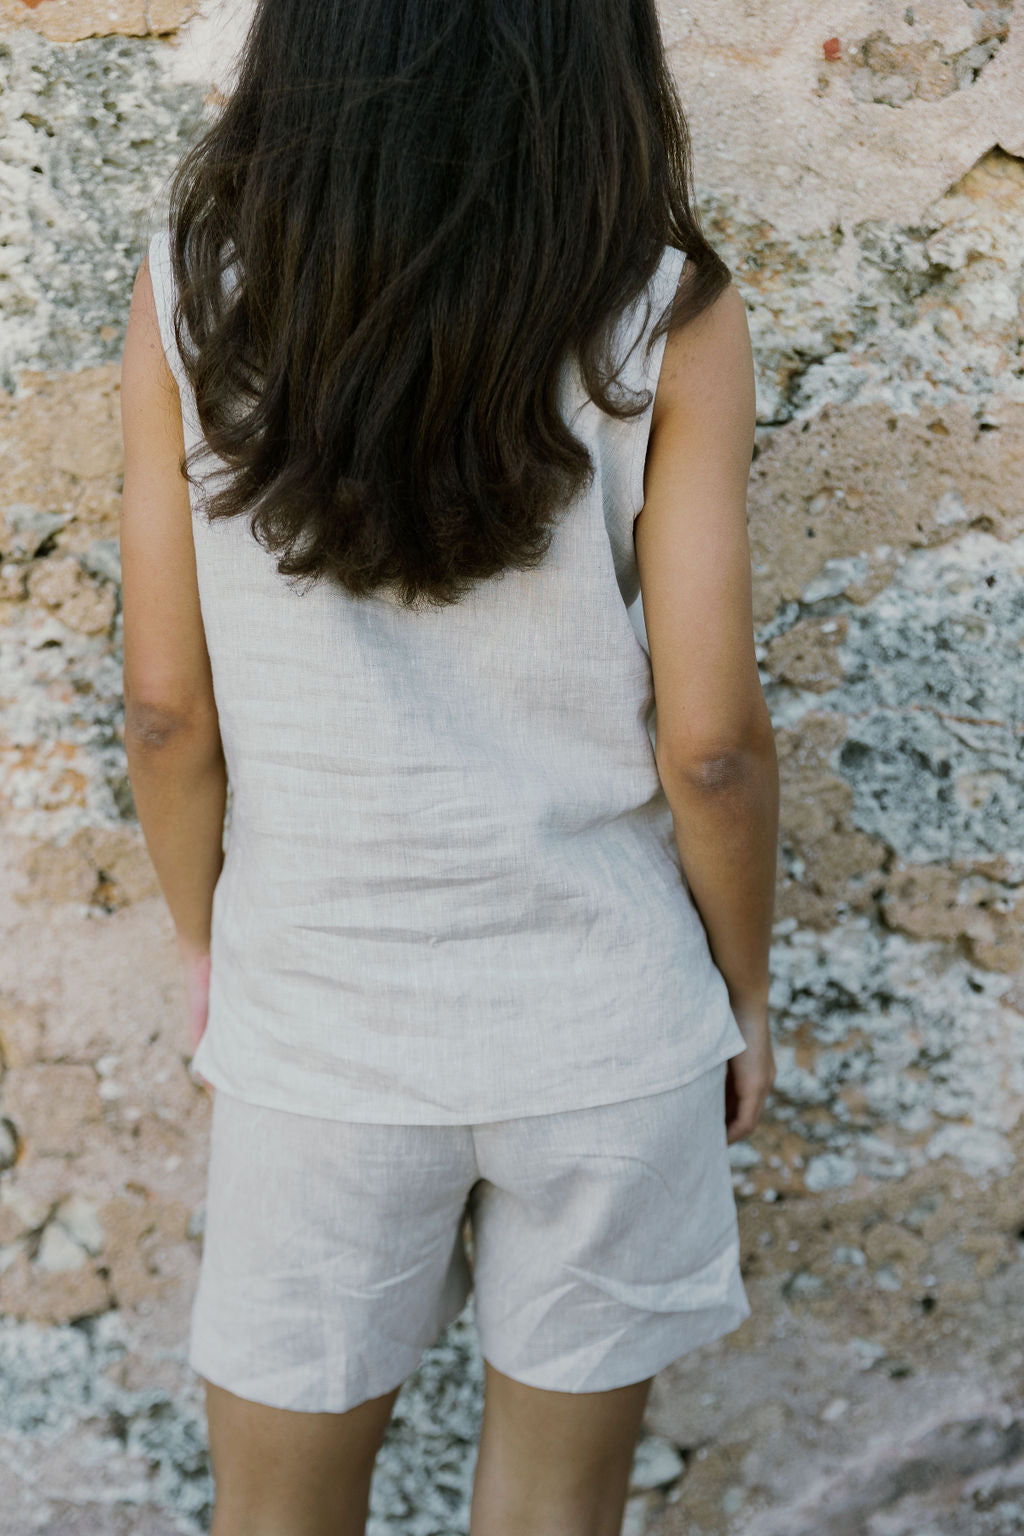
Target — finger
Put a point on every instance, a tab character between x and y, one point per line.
745	1118
738	1131
197	1077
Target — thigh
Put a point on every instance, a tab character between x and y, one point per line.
606	1238
284	1473
554	1461
332	1254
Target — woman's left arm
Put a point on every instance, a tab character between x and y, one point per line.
172	735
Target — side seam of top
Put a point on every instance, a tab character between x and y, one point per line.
663	289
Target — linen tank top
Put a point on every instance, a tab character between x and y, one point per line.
451	891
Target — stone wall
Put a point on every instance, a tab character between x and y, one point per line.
861	167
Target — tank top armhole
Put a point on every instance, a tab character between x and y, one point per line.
666	280
162	279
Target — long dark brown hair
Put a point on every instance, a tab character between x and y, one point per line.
424	207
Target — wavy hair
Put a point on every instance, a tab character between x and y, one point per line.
405	219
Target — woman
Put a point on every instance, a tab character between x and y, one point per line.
457	376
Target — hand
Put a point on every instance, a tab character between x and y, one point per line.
197	994
750	1075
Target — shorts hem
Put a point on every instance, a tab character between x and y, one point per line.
325	1402
628	1371
267	1398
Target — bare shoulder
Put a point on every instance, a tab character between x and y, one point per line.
707	362
150	401
142	315
142	337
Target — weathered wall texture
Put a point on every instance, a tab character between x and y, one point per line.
861	166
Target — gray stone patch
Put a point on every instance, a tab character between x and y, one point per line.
934	693
979	1149
8	1145
933	690
913	316
829	1171
927	1039
804	1284
28	529
102	560
657	1464
894	72
834	578
921	1487
846	1254
41	659
89	134
796	1084
53	1381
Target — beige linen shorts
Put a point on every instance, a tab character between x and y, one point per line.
599	1245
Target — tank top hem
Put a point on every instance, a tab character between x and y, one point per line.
398	1111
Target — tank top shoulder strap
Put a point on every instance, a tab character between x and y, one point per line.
639	319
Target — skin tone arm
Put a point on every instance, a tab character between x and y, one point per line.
172	736
715	748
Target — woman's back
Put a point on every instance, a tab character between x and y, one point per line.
452	891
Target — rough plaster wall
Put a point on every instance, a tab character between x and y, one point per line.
861	166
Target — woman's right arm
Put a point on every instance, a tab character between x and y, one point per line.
715	748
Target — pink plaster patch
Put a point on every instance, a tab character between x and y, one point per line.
831	47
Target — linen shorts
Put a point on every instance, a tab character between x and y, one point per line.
599	1245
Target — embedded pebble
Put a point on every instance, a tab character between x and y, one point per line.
656	1463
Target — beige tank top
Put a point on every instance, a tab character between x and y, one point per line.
451	891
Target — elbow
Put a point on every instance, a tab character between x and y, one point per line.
149	726
721	770
720	766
